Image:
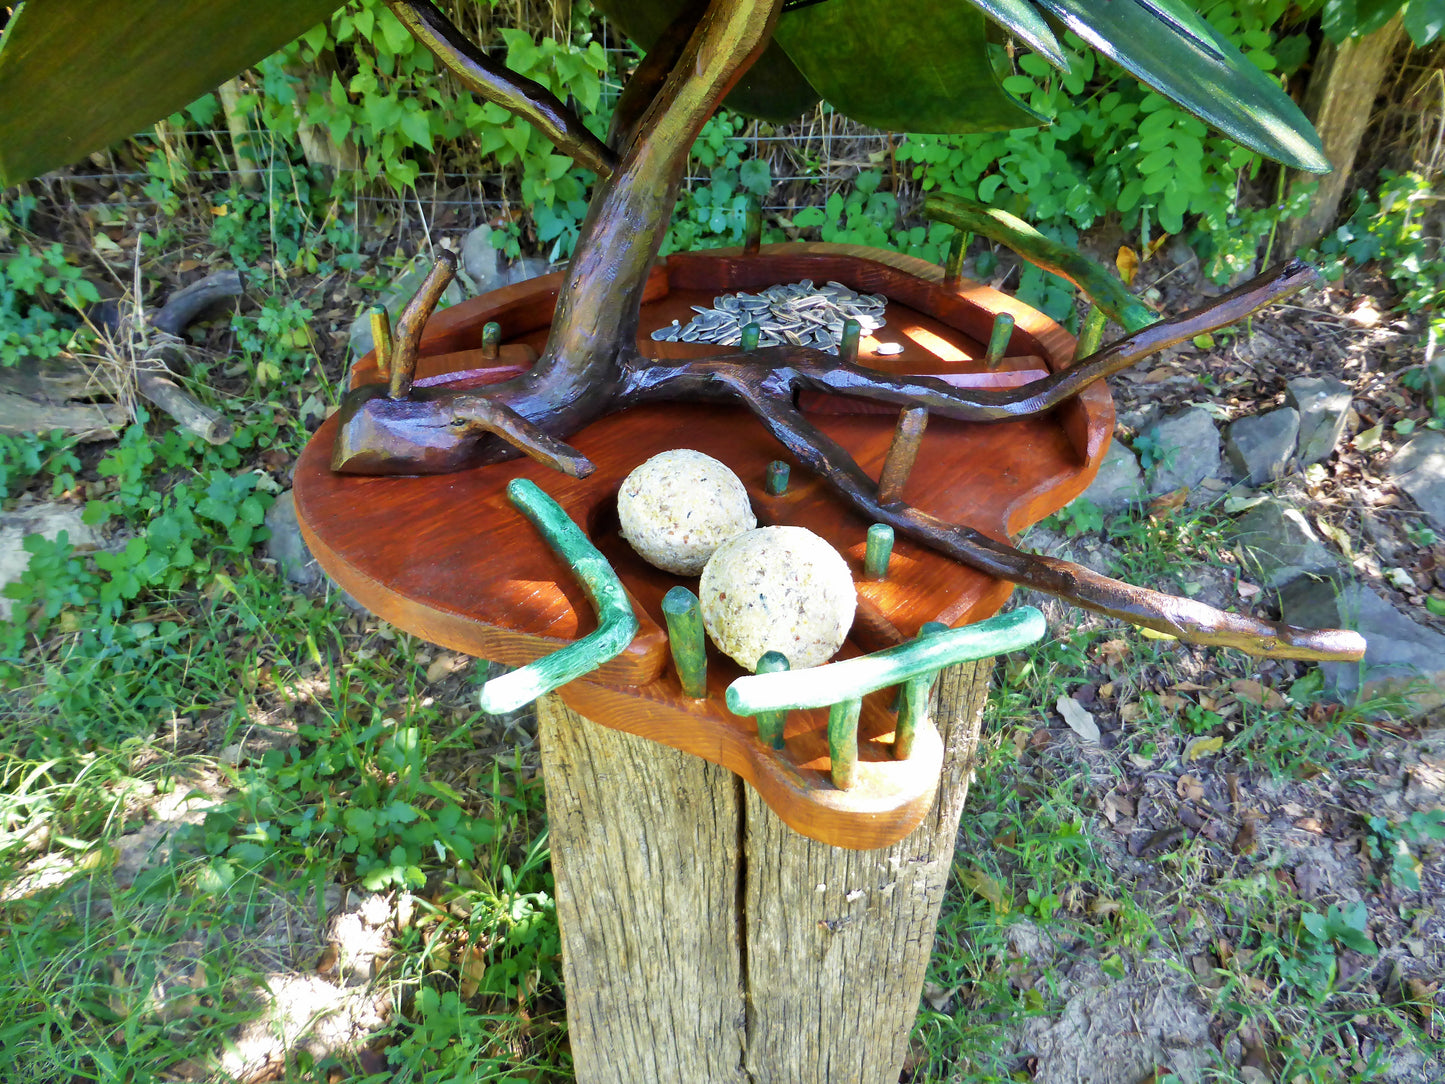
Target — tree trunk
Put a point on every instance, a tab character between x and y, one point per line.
1341	96
705	941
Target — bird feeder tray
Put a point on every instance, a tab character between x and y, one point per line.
448	559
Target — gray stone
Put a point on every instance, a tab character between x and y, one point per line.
1323	404
485	269
1279	544
293	557
1119	482
1185	450
286	546
1261	446
1400	656
1419	469
46	520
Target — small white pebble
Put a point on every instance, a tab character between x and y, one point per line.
887	350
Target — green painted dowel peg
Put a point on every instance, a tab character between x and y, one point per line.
953	262
843	741
914	701
1003	329
753	228
878	551
751	332
381	339
491	339
689	644
616	623
772	723
1091	334
848	347
777	480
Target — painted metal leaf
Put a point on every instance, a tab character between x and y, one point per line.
79	75
772	89
1025	23
902	65
1168	46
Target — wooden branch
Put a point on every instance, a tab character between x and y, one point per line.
494	416
413	320
1192	622
791	366
183	306
1101	287
156	386
525	97
647	81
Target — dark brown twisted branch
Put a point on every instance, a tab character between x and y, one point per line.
495	82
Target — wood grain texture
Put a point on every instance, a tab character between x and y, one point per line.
646	860
838	940
697	943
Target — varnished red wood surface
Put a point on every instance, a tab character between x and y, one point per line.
447	558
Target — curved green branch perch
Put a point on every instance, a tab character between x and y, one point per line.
616	623
1102	288
852	679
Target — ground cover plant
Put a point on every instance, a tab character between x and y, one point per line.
251	833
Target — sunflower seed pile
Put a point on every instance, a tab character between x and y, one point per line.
799	314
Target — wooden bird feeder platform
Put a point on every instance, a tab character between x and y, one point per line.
726	915
448	559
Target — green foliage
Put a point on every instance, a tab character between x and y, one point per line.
40	289
385	98
1393	840
171	537
1393	227
1117	148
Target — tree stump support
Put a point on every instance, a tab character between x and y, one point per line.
704	941
1339	101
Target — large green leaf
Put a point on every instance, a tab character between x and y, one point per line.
79	75
904	65
772	89
1180	55
1026	24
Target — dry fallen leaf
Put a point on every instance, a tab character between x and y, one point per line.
1189	788
1079	720
1257	693
1247	841
1127	263
984	885
1129	712
1113	652
1169	502
444	665
1202	747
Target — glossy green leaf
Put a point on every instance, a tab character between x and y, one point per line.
772	89
1424	20
1025	23
1168	46
902	65
79	75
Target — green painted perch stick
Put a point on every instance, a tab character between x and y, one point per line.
823	686
914	701
772	723
1102	288
843	741
998	339
616	623
687	639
